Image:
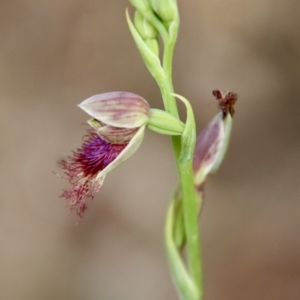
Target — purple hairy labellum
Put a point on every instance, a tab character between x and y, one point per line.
83	167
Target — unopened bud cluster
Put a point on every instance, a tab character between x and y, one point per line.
153	18
147	32
166	10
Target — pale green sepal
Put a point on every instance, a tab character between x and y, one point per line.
227	124
184	283
130	149
151	60
163	122
118	109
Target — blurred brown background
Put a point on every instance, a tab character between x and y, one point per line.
54	54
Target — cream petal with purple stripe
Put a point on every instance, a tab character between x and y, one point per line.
118	109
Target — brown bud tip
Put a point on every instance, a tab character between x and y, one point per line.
226	101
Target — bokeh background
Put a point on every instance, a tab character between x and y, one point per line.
54	54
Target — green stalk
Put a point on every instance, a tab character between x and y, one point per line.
185	171
190	215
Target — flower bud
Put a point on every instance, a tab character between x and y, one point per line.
144	27
141	5
165	9
209	145
149	54
212	143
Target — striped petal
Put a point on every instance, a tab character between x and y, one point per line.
118	109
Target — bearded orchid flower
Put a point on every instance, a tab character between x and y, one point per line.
117	129
118	125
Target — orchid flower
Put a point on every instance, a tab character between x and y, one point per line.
116	131
118	125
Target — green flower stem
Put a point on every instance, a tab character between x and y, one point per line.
186	176
167	91
190	198
190	214
190	205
